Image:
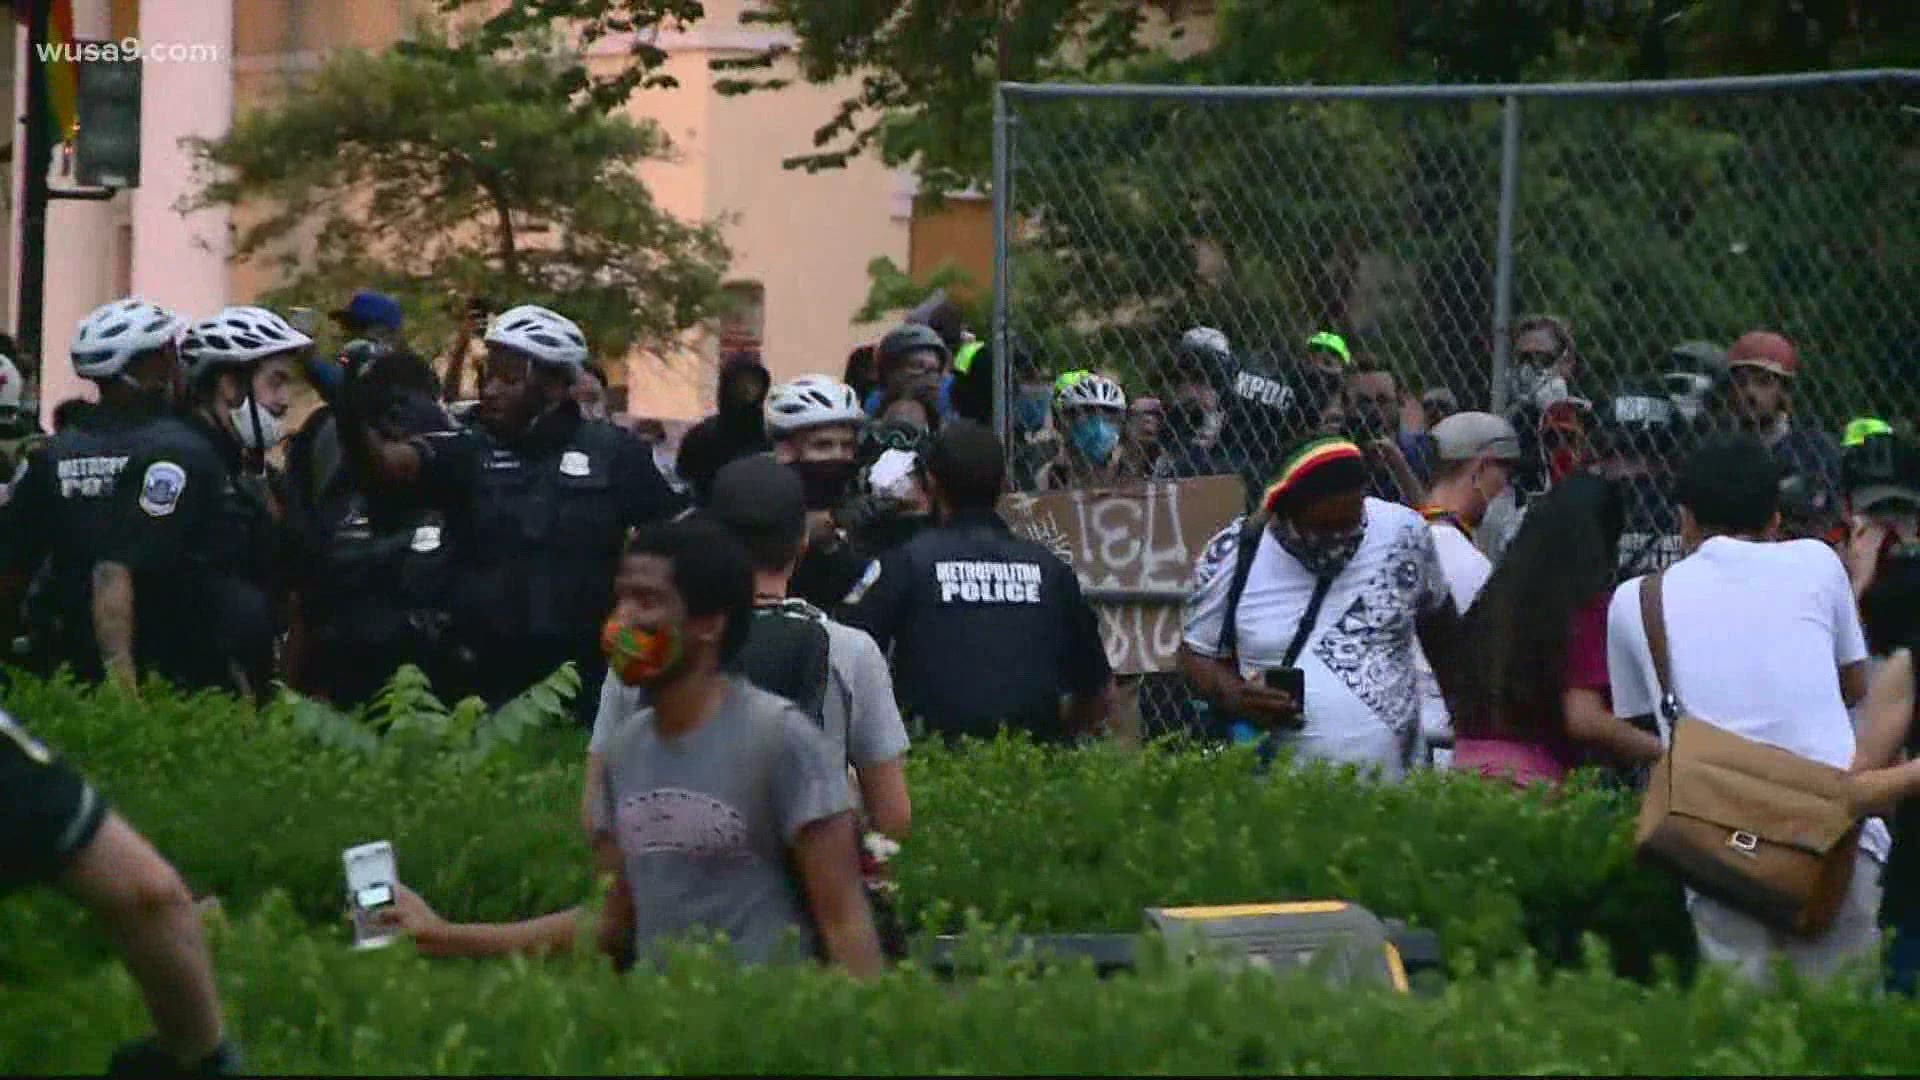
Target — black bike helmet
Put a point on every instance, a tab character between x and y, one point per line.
908	338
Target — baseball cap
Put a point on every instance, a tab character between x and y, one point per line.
1766	350
757	496
1468	435
370	309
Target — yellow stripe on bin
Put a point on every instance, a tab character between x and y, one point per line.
1241	911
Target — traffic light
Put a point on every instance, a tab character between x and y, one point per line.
107	146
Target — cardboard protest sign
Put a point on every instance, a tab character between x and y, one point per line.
1140	537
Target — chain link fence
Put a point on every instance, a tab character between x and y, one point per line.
1425	225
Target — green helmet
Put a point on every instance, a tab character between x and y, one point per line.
1861	428
1333	343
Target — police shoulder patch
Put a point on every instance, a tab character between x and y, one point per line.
161	488
866	582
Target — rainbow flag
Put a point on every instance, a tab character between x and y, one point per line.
63	76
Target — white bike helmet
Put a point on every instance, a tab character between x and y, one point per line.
811	401
1092	392
546	337
236	337
116	332
11	388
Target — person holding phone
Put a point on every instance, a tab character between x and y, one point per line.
1302	619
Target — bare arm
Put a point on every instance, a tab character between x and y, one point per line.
614	932
1087	713
434	936
1881	791
1887	715
113	622
1219	682
1212	679
828	857
126	884
883	791
1591	722
1413	493
1853	683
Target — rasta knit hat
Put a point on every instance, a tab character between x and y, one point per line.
1322	467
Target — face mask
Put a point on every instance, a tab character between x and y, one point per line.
244	417
1096	437
825	483
640	657
1030	411
1324	554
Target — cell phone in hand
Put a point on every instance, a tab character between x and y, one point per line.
371	877
1288	680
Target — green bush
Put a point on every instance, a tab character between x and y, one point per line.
305	1005
255	806
1045	838
1083	840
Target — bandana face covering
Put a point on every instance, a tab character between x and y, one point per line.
1324	554
640	657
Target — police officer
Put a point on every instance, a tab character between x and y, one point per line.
126	509
55	829
221	355
986	628
372	569
541	500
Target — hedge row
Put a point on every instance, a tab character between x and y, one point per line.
1038	838
307	1006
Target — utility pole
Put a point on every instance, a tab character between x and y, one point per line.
37	145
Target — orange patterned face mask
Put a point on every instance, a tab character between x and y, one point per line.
640	657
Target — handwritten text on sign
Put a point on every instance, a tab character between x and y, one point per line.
1142	536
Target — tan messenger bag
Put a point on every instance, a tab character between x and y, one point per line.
1756	827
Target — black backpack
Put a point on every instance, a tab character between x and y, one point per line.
787	654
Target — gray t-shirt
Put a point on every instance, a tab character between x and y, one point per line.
706	821
860	715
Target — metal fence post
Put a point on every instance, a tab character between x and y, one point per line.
1503	252
1002	206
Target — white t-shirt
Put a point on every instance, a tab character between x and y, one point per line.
1358	661
1756	634
1466	571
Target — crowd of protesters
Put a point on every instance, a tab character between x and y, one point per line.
766	617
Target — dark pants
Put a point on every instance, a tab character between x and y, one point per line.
1903	958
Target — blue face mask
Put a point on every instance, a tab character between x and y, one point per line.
1096	437
1030	411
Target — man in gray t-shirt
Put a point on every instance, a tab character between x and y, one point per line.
721	807
705	821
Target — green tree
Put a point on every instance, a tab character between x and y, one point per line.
440	173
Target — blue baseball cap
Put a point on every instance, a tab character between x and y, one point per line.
369	309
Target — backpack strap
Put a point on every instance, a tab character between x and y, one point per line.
1243	556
